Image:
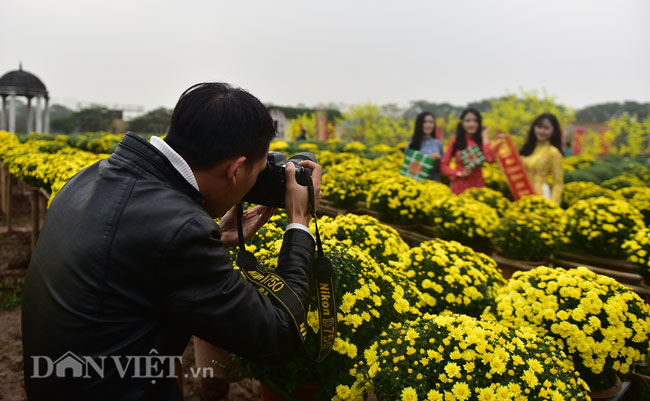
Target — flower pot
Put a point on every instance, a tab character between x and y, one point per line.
622	265
608	394
304	392
509	266
644	292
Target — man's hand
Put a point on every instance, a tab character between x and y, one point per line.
252	220
296	199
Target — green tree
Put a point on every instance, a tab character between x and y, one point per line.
91	119
610	110
154	122
368	124
514	114
438	109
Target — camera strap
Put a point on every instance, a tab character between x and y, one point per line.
275	286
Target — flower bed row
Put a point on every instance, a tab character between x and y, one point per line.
437	321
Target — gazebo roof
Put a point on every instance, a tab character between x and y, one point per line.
22	83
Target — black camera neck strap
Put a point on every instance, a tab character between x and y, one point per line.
273	285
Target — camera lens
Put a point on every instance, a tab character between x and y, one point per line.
298	157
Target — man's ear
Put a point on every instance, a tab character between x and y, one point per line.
233	168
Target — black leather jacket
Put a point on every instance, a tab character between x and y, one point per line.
128	264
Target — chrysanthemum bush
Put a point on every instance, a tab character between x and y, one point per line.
602	325
575	191
452	277
601	225
269	233
622	181
576	162
380	241
400	200
490	197
539	206
345	184
463	219
43	169
526	236
354	146
637	249
461	358
383	148
641	200
278	146
629	192
495	179
327	158
368	297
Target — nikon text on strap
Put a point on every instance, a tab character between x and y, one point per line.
276	287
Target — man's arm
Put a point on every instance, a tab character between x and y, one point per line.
214	302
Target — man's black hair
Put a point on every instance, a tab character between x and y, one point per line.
213	122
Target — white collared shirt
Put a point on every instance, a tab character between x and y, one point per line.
184	169
175	159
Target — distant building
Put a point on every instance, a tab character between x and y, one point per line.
23	83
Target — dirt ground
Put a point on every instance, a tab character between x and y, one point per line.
15	250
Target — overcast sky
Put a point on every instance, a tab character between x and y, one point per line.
288	52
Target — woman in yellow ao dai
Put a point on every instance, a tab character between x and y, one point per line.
542	156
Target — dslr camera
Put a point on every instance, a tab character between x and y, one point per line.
271	184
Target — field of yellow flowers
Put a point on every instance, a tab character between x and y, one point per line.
437	320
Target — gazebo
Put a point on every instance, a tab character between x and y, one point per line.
23	83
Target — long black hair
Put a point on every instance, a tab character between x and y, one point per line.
531	141
418	132
461	142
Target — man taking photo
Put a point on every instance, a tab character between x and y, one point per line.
130	262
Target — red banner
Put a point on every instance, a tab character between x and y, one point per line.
508	158
439	132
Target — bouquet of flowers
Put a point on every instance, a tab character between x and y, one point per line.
463	219
458	357
490	197
472	156
379	241
526	236
601	225
417	165
453	277
602	325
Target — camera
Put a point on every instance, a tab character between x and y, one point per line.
270	187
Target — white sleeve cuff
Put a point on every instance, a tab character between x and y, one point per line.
300	227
